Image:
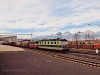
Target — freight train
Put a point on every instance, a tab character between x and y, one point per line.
56	45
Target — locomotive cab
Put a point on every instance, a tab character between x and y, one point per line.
33	44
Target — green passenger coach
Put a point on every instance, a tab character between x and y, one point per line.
60	45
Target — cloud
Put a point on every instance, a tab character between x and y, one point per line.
83	29
49	15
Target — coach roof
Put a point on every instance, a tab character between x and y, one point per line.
53	40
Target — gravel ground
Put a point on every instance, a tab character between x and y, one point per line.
10	48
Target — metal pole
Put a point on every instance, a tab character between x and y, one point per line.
31	37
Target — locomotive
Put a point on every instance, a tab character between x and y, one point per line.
57	45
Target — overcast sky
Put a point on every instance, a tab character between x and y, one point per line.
42	17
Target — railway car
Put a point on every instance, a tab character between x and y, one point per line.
12	43
18	44
60	45
24	43
97	46
33	44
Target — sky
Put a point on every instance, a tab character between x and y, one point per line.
43	17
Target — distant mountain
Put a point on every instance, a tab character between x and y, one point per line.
88	32
97	34
69	36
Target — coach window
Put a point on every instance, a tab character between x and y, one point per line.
54	42
48	42
45	42
51	42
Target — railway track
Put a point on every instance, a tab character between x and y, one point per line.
80	61
68	58
84	56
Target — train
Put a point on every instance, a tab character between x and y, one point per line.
56	45
59	45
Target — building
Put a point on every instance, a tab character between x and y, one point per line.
10	38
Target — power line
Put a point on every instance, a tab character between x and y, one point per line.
14	34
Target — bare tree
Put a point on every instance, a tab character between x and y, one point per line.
76	37
89	38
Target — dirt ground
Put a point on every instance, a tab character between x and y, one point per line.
10	48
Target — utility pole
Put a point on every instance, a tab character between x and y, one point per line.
31	37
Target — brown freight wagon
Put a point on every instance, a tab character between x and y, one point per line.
97	46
